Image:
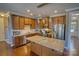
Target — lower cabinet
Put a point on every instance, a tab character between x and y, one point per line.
28	49
49	52
44	51
17	41
36	48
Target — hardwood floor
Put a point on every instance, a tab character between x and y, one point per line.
6	50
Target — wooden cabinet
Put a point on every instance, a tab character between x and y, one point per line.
58	20
41	23
44	51
61	19
44	22
29	21
49	52
18	22
21	22
36	48
55	20
33	23
26	21
15	22
17	41
28	49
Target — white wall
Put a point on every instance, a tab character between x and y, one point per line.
2	33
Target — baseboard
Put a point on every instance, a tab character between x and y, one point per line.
66	51
10	43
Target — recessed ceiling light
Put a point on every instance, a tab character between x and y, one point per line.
39	15
55	11
2	15
28	10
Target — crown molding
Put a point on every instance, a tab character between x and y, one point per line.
72	9
62	14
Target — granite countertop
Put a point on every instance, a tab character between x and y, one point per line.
51	43
23	32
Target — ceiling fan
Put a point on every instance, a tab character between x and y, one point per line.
42	5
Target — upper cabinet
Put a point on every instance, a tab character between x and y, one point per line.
33	23
30	21
58	20
43	23
19	22
26	21
61	19
15	22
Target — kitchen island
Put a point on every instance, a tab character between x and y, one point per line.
46	46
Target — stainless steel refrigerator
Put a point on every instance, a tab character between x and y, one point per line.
59	31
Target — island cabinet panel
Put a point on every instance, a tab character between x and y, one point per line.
44	51
15	22
36	48
49	52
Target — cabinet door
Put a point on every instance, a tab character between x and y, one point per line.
49	52
33	23
22	22
28	49
15	22
52	52
41	23
36	48
61	19
30	21
55	20
18	41
26	21
44	51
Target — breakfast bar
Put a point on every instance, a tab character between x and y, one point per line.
46	46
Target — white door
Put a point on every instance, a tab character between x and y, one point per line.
2	35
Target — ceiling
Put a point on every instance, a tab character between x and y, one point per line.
47	10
